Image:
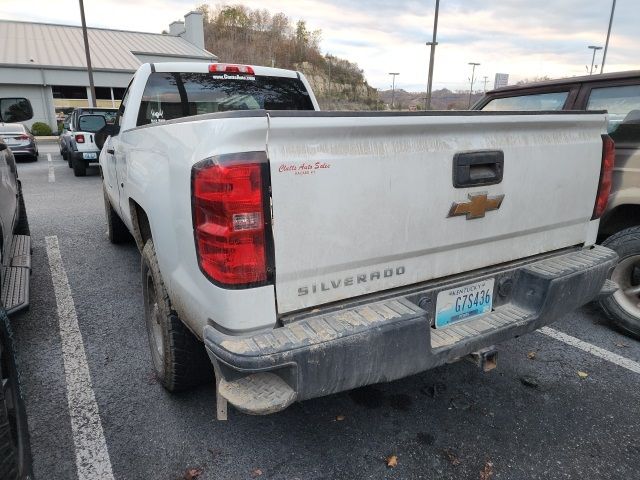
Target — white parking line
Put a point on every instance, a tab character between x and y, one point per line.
92	456
592	349
52	175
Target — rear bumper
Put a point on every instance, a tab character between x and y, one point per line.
80	156
390	337
26	150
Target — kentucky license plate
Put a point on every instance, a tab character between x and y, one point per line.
89	156
463	303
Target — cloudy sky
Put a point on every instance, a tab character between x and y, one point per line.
521	37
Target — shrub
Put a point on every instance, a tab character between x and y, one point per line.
40	129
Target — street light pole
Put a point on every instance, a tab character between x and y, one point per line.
593	58
606	44
486	79
86	50
393	88
432	56
473	72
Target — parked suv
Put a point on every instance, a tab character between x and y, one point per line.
15	262
77	141
619	94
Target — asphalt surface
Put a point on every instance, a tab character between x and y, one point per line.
531	418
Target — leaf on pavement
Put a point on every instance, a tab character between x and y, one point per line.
452	457
256	472
340	418
392	461
582	375
192	473
487	472
531	355
622	345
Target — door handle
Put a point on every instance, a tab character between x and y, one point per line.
111	151
479	168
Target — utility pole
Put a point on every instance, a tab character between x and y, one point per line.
329	92
393	88
432	56
473	72
606	45
593	58
86	50
486	79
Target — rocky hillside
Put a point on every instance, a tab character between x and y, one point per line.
242	35
443	99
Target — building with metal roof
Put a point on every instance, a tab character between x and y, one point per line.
46	63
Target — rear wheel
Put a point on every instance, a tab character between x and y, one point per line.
179	358
79	167
623	307
15	453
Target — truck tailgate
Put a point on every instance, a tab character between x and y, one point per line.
361	202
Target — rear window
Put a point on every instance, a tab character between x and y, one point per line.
12	128
109	115
539	101
174	95
623	104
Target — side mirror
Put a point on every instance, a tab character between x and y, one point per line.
108	130
15	109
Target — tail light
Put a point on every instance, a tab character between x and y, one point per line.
79	138
606	173
230	68
231	218
23	137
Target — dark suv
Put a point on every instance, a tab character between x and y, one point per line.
619	94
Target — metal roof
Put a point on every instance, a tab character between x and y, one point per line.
62	46
598	77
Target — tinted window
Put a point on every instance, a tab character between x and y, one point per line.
109	115
174	95
539	101
623	105
91	123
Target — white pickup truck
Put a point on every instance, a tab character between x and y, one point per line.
312	252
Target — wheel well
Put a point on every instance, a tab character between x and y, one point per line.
620	218
141	226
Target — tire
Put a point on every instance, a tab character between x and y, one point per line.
623	307
15	452
79	167
179	359
22	225
116	229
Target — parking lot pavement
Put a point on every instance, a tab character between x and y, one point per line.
534	417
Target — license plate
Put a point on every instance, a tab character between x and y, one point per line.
89	156
464	302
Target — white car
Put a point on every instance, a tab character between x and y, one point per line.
77	141
312	252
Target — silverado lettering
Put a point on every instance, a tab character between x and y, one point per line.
348	281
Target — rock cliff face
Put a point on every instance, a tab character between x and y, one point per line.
350	93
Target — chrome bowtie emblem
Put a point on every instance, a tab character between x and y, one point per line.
477	206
